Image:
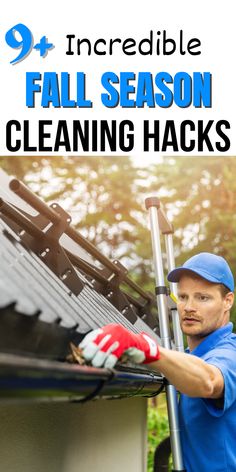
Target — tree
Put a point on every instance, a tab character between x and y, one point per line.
105	196
200	196
101	194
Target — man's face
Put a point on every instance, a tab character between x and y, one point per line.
201	307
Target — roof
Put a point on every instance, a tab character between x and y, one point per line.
55	287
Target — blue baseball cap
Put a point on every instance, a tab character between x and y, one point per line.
213	268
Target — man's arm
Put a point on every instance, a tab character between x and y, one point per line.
190	374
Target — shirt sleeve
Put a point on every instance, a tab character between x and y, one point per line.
225	360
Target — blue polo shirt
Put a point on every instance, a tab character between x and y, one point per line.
208	430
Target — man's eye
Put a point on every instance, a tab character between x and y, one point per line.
203	298
182	298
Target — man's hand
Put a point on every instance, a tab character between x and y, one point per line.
104	346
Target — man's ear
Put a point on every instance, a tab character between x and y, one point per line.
229	300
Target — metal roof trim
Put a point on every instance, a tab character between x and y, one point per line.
38	380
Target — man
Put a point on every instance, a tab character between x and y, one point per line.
205	375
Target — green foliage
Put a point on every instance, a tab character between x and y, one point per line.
158	429
18	166
200	195
105	196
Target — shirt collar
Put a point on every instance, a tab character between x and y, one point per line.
212	340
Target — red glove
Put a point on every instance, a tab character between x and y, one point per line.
104	346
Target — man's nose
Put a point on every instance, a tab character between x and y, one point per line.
190	305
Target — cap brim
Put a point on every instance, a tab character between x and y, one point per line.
176	274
